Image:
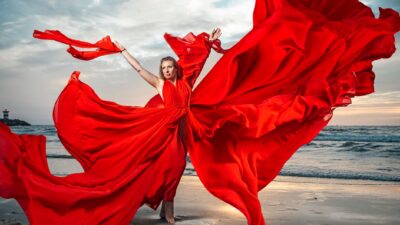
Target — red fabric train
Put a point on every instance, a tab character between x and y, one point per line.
268	95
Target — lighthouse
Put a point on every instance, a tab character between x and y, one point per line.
5	114
12	122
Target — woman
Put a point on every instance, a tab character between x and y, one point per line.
168	73
268	95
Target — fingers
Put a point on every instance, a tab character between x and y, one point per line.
216	33
213	33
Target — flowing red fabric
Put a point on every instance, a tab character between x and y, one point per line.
267	96
102	47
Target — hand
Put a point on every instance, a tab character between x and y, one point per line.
215	34
122	48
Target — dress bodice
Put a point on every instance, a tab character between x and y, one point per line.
178	95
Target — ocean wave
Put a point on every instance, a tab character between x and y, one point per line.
351	146
192	172
386	174
56	156
360	134
357	138
320	174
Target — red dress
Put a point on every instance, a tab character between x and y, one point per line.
268	95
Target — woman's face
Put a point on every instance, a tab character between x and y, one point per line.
168	70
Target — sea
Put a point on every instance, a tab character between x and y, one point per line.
340	152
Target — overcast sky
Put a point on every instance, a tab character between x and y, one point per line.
33	72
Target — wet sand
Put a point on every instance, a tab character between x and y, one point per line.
287	200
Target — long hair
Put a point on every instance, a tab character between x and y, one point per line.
176	66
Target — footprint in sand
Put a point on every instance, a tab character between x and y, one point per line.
292	209
316	211
312	196
274	203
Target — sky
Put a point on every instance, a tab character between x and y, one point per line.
34	72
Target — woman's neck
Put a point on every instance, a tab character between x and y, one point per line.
173	81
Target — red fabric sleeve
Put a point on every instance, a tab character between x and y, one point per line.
103	47
192	52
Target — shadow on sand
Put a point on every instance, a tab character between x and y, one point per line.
158	220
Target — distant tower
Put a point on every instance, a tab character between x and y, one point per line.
5	114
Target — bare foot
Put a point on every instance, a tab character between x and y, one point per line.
169	212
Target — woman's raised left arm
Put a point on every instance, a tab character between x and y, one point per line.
152	79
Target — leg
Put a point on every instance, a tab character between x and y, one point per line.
162	211
169	212
167	207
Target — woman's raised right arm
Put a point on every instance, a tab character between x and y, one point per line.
152	79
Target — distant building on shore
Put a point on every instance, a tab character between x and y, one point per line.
5	114
15	122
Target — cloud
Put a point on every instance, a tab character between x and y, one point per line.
373	109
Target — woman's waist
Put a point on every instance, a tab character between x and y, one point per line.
177	105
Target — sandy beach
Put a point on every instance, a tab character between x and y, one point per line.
287	200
